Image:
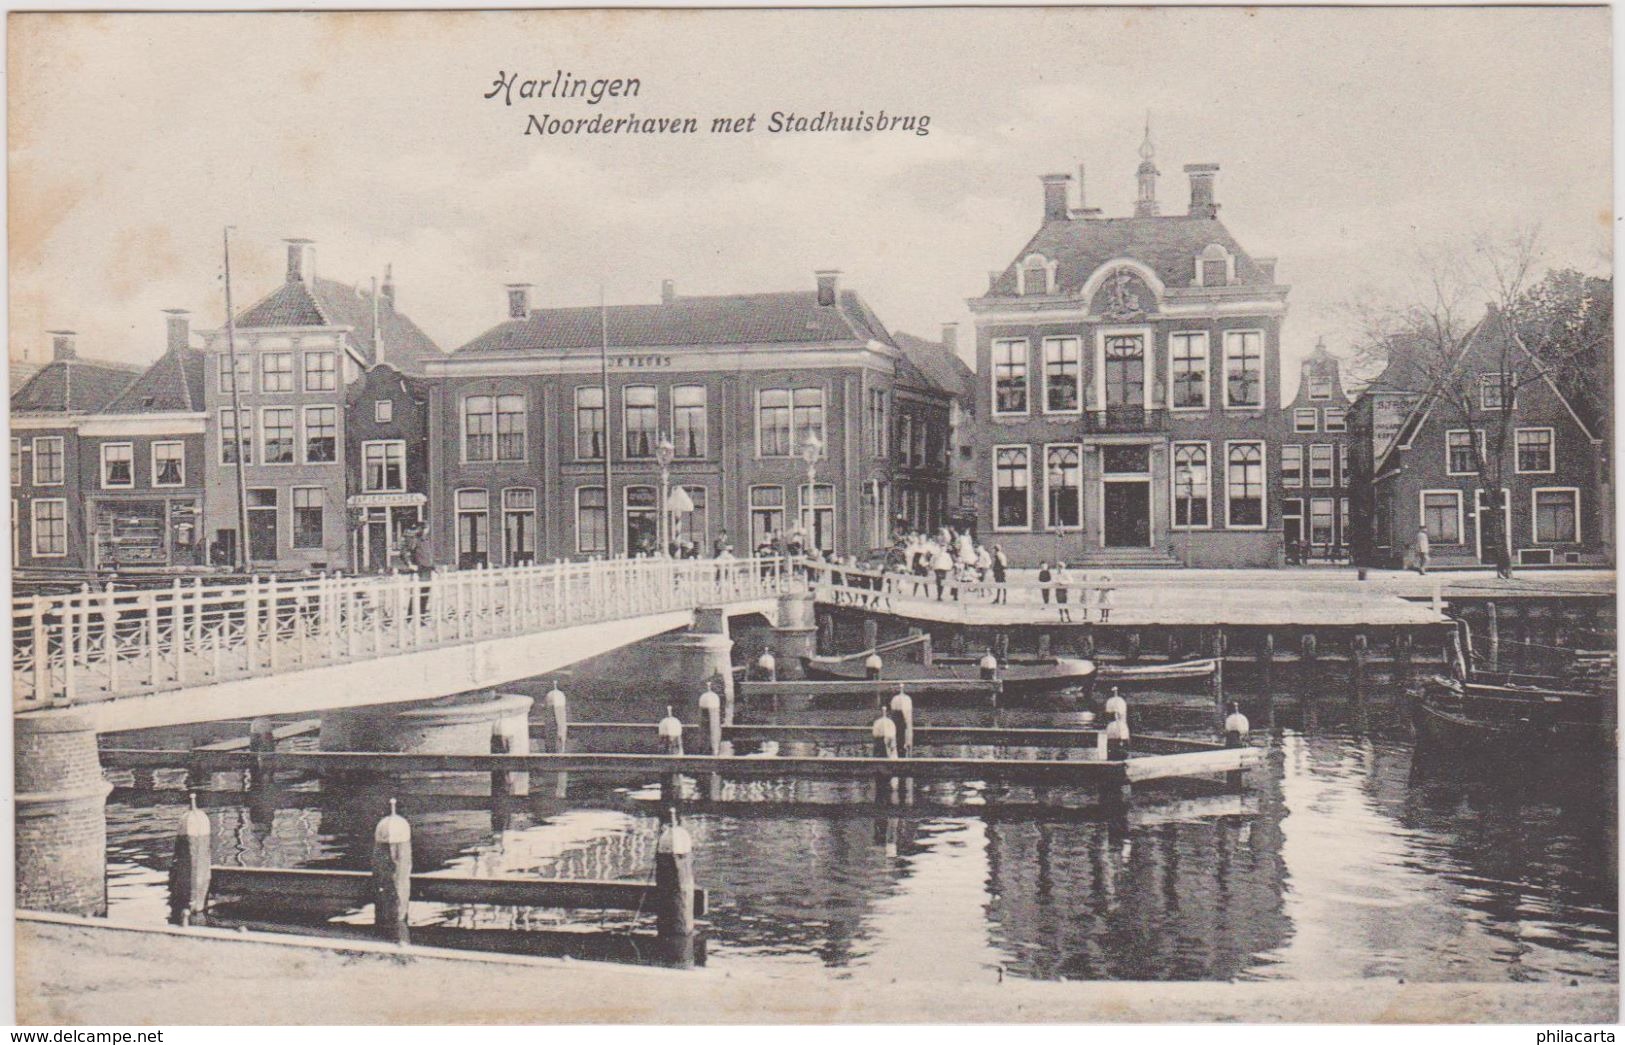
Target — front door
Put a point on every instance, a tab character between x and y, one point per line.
1481	521
375	544
1127	507
262	534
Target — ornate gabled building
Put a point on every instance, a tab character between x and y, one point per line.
1129	381
1315	463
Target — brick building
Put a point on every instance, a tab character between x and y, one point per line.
533	459
386	455
1129	381
932	381
1315	463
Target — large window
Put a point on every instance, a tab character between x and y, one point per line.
1012	509
1192	485
473	528
766	513
245	373
592	521
1305	419
1188	359
809	416
118	466
276	371
1320	465
510	428
818	516
688	420
235	446
1557	516
773	422
1534	450
878	422
1125	371
1244	485
383	466
321	371
1320	521
642	520
1336	419
1459	456
1063	375
640	405
519	525
169	463
1441	516
50	529
590	417
307	516
1243	369
1063	485
494	428
276	435
49	467
1010	377
1292	465
321	434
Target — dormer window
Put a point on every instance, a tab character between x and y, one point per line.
1035	275
1215	267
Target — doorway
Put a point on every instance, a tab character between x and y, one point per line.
1486	544
1127	507
262	513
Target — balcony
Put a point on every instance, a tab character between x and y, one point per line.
1117	420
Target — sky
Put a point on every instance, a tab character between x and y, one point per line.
1348	141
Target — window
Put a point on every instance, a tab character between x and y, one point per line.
168	463
383	411
589	422
383	466
1336	419
1320	465
905	438
1034	276
307	517
1534	450
1343	464
878	430
1063	375
1320	521
118	466
809	415
1215	273
1191	485
1244	485
967	492
1557	516
1009	377
235	446
1063	486
688	420
48	460
510	428
50	530
276	371
276	435
1188	355
1125	371
321	434
1243	369
321	371
818	516
473	528
1459	456
1292	465
641	417
1305	419
773	422
479	442
766	513
921	431
592	521
1441	516
1011	508
245	374
519	526
1493	390
642	520
16	463
1320	384
1342	520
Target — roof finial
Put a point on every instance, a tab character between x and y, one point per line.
1147	149
1146	205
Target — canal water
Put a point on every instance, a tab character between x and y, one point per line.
1352	854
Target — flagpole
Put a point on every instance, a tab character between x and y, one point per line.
603	362
245	557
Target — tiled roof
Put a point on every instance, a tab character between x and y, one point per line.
736	319
939	366
331	303
73	386
173	383
1167	245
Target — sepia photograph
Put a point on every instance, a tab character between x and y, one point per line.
935	515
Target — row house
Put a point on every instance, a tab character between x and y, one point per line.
1314	490
50	529
931	383
778	412
1129	379
278	415
1414	464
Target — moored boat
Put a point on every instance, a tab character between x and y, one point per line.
1170	672
1513	715
1019	679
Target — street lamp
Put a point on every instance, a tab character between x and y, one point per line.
664	452
811	449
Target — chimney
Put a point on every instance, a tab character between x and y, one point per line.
950	336
668	291
518	300
829	285
389	285
301	261
62	344
1055	192
180	329
1202	175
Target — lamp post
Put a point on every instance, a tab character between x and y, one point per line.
811	449
664	452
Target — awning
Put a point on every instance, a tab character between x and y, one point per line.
387	500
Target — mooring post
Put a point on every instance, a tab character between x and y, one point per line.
1492	629
501	786
1115	793
884	735
261	742
1043	644
767	667
1454	657
674	890
988	666
1134	645
873	666
871	633
927	654
710	722
1266	660
1236	729
1362	649
1089	641
555	721
670	732
1001	647
1311	652
392	876
189	874
902	717
1218	648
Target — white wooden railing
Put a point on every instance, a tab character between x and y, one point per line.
1091	593
98	645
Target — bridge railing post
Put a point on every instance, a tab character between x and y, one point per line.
42	651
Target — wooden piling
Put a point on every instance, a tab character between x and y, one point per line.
1089	641
1043	644
927	654
767	667
1361	654
710	723
1236	729
261	741
873	667
1492	633
1266	661
884	736
1134	645
1116	795
871	633
1001	647
189	873
1217	680
826	634
674	891
392	876
670	732
501	785
901	713
555	721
